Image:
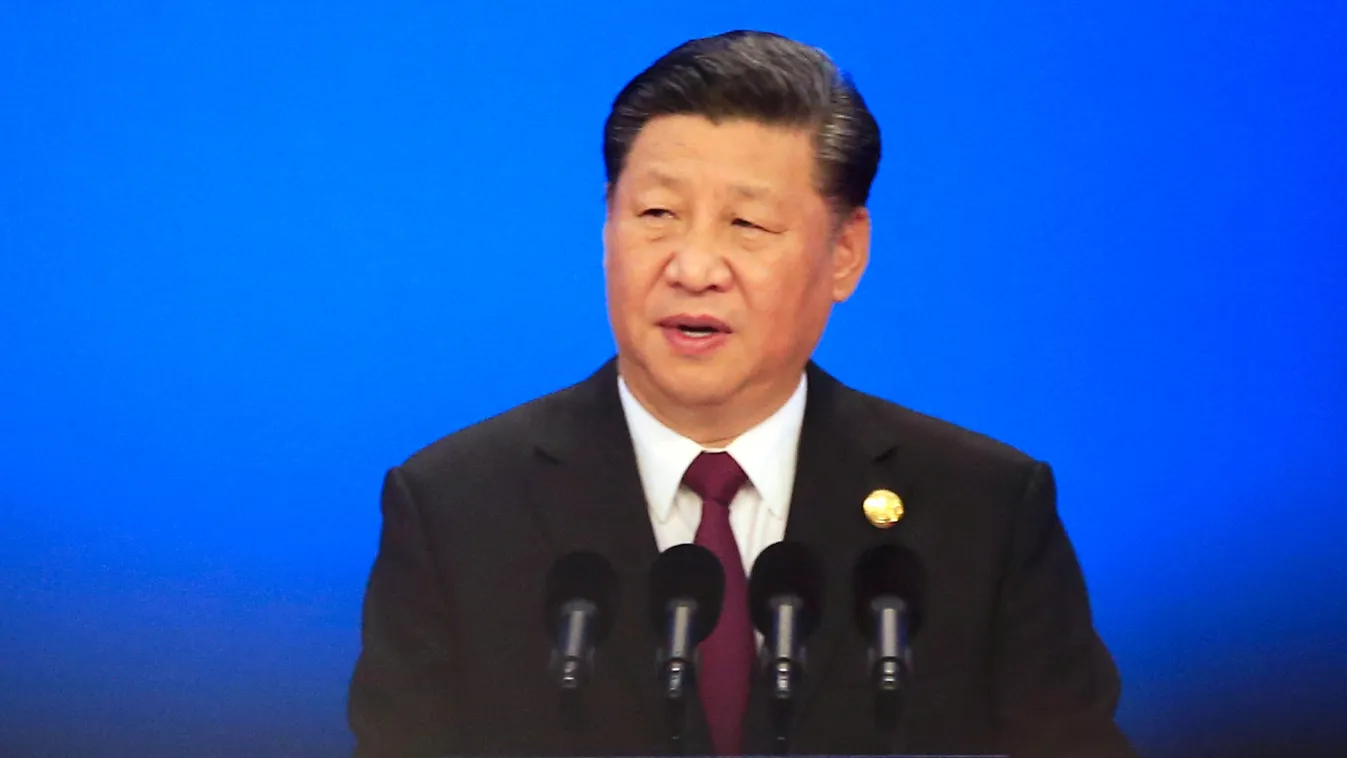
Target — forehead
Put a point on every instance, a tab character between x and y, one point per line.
743	156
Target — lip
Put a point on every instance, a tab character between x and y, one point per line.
699	320
694	347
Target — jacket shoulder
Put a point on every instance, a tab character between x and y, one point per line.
942	446
482	448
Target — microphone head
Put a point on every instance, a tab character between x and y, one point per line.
786	568
688	572
889	570
582	575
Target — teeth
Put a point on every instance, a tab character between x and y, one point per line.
697	332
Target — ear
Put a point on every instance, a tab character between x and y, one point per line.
851	253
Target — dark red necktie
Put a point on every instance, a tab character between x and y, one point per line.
727	655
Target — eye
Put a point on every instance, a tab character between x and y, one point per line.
656	213
744	223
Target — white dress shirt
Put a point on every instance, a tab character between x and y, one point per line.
767	454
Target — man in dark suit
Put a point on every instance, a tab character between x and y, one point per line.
738	172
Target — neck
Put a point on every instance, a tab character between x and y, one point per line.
713	424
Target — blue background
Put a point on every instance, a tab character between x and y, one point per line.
255	253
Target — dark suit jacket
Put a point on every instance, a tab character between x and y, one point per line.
455	654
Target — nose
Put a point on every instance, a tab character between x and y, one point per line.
698	264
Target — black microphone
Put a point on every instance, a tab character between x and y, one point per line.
785	594
581	600
687	587
890	590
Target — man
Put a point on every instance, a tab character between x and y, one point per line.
738	171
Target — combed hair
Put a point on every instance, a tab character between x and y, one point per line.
761	77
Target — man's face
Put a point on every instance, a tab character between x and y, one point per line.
723	261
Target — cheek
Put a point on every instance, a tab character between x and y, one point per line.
787	300
632	275
787	287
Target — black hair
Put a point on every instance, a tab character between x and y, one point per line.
762	77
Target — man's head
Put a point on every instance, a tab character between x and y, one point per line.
738	171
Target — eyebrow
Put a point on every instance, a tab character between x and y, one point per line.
749	191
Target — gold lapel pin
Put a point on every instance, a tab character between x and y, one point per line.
883	508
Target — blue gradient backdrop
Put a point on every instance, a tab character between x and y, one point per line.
255	253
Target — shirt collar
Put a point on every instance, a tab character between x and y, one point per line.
767	452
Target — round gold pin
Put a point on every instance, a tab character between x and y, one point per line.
883	508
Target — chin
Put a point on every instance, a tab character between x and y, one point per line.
695	384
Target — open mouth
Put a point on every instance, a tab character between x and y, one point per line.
696	327
698	332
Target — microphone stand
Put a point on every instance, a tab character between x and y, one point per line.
784	668
678	672
783	707
675	706
890	662
572	660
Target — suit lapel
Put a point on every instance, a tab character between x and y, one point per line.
842	448
587	495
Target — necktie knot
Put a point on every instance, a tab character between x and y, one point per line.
716	477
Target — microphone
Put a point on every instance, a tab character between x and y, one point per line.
890	590
687	587
580	603
785	594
